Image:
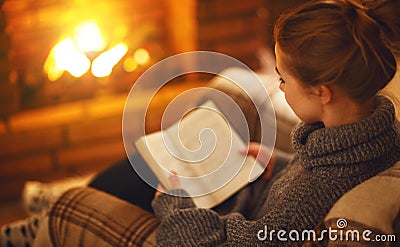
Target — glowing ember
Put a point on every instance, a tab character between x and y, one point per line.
88	37
130	64
66	57
103	64
141	56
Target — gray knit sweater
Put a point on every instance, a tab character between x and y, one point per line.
328	163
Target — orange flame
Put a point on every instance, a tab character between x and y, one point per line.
66	57
103	64
69	54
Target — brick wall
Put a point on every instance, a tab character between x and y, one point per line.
233	27
9	91
53	142
68	139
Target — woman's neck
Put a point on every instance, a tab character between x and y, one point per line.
346	111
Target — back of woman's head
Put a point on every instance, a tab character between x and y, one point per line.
342	42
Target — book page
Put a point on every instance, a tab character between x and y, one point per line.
240	180
154	151
203	139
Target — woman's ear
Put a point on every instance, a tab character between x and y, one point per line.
324	93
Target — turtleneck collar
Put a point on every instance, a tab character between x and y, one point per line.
358	142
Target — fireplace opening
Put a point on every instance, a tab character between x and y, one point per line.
62	51
68	50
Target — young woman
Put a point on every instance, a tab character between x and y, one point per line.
334	57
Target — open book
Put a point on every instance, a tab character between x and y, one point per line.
203	149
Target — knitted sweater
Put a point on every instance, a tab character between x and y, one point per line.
328	163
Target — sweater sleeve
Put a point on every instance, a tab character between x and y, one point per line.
182	224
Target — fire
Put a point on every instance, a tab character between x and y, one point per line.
66	57
88	37
103	64
130	64
141	56
70	54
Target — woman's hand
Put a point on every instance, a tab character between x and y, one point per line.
263	154
260	152
173	180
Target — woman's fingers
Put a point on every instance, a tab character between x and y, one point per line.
259	151
159	191
174	180
254	148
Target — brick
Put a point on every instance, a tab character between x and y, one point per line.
91	166
3	128
221	8
30	141
182	25
4	43
81	155
111	127
5	65
155	16
114	106
26	165
11	211
227	29
240	47
246	55
46	117
9	97
237	6
95	130
2	19
11	189
221	29
106	107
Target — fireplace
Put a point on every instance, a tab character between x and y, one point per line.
64	51
61	50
